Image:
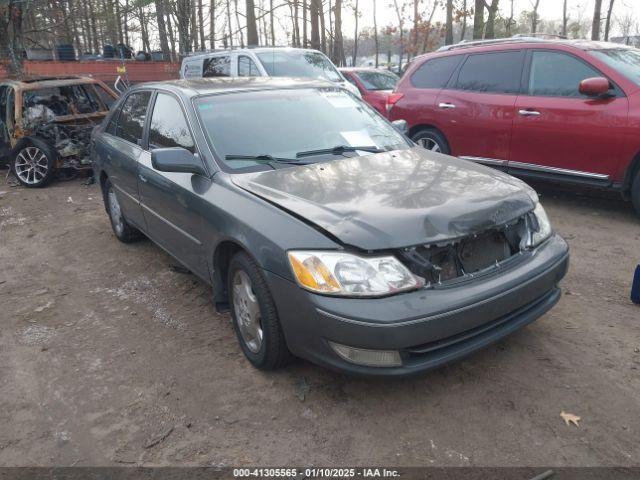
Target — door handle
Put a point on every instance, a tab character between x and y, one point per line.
446	105
142	178
529	113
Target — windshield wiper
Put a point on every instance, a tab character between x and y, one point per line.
339	150
265	158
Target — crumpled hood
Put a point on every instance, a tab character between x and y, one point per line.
394	199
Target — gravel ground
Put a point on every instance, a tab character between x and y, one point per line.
110	355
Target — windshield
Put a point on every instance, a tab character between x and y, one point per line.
299	64
284	123
625	61
377	80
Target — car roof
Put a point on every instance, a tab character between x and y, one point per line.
256	50
526	41
37	83
205	86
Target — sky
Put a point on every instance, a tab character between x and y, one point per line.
548	9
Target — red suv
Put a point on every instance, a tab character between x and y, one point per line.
564	110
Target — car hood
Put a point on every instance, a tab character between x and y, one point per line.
394	199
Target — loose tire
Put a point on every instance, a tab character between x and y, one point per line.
121	228
34	163
254	315
431	139
635	193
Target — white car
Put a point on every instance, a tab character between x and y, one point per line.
264	62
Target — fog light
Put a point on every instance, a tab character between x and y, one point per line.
369	358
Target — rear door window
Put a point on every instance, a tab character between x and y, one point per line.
169	127
246	67
555	74
498	72
435	73
217	66
132	116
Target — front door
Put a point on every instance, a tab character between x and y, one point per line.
557	130
172	210
476	110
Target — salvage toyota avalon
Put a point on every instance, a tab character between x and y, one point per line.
322	228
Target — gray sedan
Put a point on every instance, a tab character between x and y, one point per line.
325	232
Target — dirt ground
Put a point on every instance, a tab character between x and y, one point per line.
110	355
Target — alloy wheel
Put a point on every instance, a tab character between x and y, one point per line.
246	310
31	165
429	144
115	212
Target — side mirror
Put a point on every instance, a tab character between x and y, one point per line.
176	159
401	125
594	87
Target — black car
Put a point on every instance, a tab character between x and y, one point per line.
327	233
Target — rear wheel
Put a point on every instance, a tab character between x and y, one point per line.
431	139
254	315
34	164
122	229
635	193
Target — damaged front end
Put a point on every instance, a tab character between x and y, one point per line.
478	254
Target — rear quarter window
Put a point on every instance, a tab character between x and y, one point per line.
435	73
217	67
495	72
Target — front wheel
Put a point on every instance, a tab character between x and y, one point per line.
254	315
431	139
34	164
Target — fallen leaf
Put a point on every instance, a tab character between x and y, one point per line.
570	418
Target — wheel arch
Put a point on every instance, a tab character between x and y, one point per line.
222	255
630	174
426	126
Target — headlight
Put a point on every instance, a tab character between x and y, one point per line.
345	274
542	230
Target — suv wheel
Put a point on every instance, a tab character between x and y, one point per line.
122	229
34	164
635	192
431	139
254	315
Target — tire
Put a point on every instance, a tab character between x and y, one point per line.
121	228
431	139
635	193
34	163
261	337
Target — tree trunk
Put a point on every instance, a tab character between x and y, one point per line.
238	25
305	42
201	24
491	20
252	29
478	20
323	32
607	24
597	17
125	22
564	17
183	16
375	33
355	35
144	32
463	30
212	24
401	27
448	36
162	29
416	20
229	25
272	24
534	17
172	37
338	46
509	23
314	14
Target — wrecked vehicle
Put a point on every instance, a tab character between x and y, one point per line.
46	124
326	232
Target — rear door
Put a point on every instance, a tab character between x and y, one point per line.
172	210
120	150
557	130
477	108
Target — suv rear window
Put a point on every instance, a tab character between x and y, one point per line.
498	72
435	73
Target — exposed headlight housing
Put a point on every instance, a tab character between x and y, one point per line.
349	275
541	230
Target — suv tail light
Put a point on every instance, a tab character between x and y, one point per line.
392	99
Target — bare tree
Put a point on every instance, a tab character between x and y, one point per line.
565	19
448	37
491	19
212	24
252	29
607	24
463	29
375	32
478	20
400	15
162	28
534	16
338	45
314	15
509	21
356	14
597	18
